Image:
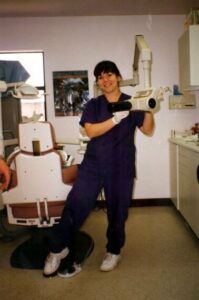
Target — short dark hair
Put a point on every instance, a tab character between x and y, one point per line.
106	66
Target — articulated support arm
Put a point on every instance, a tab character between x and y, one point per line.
147	99
142	52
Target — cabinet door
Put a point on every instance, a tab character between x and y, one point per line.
189	58
185	182
194	196
174	174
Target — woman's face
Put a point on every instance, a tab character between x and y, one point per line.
108	82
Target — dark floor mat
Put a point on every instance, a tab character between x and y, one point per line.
32	253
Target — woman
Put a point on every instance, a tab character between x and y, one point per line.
109	163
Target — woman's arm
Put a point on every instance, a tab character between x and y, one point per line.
148	124
97	129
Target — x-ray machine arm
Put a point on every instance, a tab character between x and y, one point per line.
148	98
142	52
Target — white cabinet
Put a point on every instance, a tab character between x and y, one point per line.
194	196
184	172
188	46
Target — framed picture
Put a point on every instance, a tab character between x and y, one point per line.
71	92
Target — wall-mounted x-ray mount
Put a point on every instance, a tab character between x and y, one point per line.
148	98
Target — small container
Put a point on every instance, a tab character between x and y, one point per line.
172	134
36	147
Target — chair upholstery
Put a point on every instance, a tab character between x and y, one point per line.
40	185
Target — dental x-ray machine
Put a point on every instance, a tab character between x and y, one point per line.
147	99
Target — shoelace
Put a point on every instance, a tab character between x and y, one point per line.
108	257
50	258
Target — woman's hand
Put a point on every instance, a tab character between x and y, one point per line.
5	175
119	116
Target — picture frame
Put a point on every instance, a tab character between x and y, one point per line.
71	92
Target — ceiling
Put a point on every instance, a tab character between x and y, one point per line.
50	8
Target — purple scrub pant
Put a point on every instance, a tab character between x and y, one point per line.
118	186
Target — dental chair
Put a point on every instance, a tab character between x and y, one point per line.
41	178
39	183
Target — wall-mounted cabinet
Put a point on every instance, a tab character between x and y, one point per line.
188	46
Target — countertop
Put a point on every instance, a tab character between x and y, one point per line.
185	142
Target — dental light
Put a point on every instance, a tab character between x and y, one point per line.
20	90
25	91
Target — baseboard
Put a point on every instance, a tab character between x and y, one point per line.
141	202
151	202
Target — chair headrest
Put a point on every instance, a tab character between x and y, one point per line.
35	136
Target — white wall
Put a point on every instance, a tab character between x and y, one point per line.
78	43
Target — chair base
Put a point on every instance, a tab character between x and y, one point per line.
32	253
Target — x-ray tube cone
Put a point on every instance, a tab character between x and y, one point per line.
152	103
119	106
133	104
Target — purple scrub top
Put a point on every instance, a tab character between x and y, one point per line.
115	147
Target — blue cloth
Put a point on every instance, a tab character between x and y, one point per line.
12	71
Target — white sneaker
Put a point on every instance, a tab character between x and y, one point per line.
53	261
110	261
74	270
